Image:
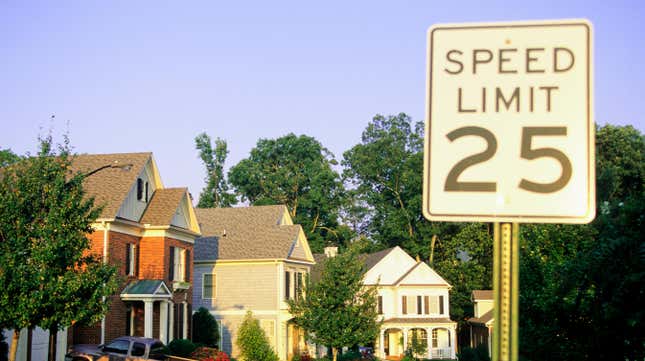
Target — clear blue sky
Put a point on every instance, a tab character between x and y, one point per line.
128	76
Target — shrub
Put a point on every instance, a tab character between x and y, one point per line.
205	328
253	343
479	353
350	356
181	347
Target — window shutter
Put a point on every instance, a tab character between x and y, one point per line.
187	266
147	191
441	305
419	306
287	284
171	264
139	189
380	305
404	302
426	303
127	259
136	261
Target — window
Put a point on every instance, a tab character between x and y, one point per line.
139	189
158	351
298	285
130	259
208	286
118	346
435	338
138	349
404	304
379	305
434	305
287	285
177	270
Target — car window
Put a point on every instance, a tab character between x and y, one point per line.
118	346
138	349
157	351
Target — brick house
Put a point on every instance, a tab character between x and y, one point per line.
252	259
148	232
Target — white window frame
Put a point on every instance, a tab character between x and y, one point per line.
213	285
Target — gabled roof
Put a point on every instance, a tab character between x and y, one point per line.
372	259
482	295
162	206
486	318
145	288
244	233
216	221
111	186
421	275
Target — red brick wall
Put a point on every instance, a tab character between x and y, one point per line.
153	258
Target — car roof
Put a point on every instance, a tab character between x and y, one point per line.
146	340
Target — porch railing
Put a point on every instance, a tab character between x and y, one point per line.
441	353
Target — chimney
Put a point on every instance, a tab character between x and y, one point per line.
331	251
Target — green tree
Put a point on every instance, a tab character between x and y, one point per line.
295	171
7	157
46	278
385	173
216	192
338	310
582	285
253	342
206	330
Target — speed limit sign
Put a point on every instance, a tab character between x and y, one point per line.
509	123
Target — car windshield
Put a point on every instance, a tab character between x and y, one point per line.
117	346
157	351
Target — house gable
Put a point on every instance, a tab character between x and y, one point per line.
390	268
422	275
300	250
132	208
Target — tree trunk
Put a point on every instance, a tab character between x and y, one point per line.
14	345
334	352
53	340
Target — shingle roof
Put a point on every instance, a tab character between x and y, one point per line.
244	233
482	295
418	320
373	258
162	206
486	317
110	186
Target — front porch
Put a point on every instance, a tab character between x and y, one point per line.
437	341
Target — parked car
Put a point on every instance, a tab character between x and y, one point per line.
126	348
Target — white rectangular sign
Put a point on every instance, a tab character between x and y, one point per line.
509	123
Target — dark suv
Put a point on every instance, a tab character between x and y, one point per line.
126	348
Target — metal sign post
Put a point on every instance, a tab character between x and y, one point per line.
506	291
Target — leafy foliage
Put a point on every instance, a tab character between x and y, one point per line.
205	328
582	285
7	157
295	171
338	310
47	277
253	342
181	347
216	192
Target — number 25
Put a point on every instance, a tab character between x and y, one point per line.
527	152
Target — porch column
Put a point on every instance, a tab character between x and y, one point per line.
405	339
171	324
185	320
453	342
429	341
163	322
147	318
381	344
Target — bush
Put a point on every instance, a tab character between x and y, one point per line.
350	356
479	353
209	354
253	343
181	347
205	328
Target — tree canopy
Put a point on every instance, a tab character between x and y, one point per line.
296	171
216	191
338	310
46	277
